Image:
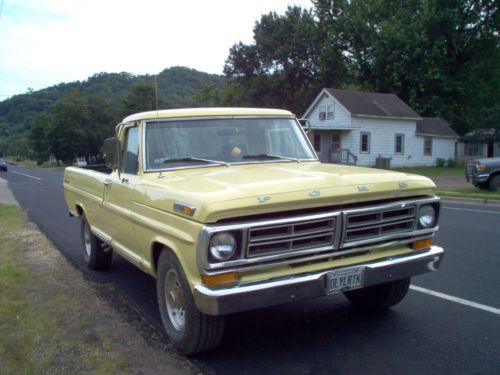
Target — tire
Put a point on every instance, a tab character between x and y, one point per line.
379	297
96	253
483	186
189	330
495	183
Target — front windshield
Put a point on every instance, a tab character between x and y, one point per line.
173	144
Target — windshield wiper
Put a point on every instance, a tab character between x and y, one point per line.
196	159
269	156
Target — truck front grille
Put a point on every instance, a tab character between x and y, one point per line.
343	231
275	239
366	225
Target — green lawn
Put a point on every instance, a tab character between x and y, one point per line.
433	171
471	193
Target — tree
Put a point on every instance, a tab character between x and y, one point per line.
281	69
208	96
67	138
142	98
441	57
39	137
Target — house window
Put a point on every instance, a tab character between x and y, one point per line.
427	146
364	147
399	144
317	142
473	149
326	111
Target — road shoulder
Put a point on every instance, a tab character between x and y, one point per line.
6	196
54	320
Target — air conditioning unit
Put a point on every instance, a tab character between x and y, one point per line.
322	115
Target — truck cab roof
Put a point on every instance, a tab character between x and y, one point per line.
205	112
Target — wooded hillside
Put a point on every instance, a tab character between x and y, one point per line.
33	124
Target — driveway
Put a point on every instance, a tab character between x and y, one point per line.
452	182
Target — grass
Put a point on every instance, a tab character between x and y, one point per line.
38	333
33	164
471	193
433	171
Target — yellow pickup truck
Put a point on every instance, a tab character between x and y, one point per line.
230	210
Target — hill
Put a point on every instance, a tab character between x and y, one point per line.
177	87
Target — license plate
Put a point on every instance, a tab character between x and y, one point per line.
343	280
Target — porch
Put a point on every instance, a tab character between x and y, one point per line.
333	146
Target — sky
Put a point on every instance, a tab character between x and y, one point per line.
46	42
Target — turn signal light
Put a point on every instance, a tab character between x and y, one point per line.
422	244
482	168
220	279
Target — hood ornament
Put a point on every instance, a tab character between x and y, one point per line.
314	193
264	198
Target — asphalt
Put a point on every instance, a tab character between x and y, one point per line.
423	334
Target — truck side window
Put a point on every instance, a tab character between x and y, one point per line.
131	151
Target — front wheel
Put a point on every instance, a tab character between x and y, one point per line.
187	328
379	297
96	253
495	183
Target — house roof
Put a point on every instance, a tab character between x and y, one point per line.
436	127
372	104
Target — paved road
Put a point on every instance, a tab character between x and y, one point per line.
424	334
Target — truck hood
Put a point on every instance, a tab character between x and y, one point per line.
240	190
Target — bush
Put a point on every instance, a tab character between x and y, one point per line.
440	162
451	163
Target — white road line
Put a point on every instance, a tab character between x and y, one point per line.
27	175
456	299
468	209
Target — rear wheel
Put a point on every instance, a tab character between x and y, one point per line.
96	253
495	183
187	328
379	297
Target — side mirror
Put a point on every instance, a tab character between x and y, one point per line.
305	124
112	150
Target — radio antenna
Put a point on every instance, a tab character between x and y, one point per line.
156	95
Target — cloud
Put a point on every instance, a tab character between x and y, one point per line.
48	41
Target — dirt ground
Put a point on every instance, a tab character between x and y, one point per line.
61	323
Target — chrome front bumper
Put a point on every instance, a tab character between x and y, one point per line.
480	178
254	295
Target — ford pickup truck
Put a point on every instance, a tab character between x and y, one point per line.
231	210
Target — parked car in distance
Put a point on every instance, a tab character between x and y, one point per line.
3	165
484	173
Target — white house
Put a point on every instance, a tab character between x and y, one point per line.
361	127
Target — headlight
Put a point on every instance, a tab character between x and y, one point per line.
427	216
222	246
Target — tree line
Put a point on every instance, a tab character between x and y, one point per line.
442	57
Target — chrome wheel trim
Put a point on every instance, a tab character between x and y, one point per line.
174	300
87	240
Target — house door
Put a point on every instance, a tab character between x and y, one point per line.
490	150
336	143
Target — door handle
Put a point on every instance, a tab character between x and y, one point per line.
108	182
